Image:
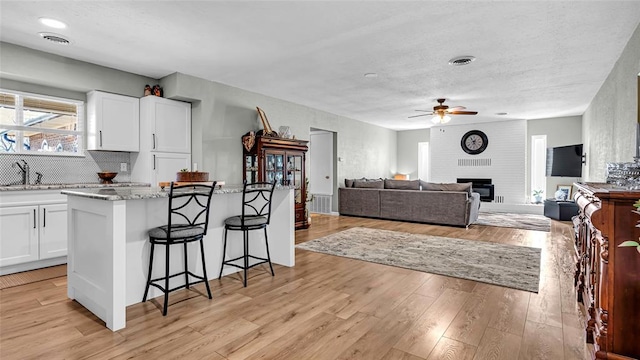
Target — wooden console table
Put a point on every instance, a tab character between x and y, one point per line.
607	277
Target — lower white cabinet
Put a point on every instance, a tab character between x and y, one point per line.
18	235
53	230
33	230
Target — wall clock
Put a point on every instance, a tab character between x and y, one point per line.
474	142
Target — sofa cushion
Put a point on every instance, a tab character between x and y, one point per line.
369	184
402	184
446	186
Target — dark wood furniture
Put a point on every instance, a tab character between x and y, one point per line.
607	277
283	160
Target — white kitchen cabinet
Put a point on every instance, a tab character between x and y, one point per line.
165	124
18	235
53	231
166	165
33	230
165	140
113	122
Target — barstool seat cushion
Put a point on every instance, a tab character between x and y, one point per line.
177	232
248	221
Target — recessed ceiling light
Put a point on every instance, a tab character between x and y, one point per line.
501	113
56	38
56	24
462	60
371	75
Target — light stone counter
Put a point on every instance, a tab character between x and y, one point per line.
68	186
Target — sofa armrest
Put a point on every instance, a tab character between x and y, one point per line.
474	207
359	202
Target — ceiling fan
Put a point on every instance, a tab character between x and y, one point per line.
442	112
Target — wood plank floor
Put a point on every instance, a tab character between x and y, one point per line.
325	307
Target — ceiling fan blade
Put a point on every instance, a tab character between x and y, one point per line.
419	115
463	112
429	111
456	108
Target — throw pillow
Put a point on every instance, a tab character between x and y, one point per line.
369	184
402	184
348	182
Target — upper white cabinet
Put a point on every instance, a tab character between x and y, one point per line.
165	140
113	122
165	125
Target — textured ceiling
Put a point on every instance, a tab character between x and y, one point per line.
534	59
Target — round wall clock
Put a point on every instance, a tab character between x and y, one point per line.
474	142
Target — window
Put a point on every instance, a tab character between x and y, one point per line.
38	124
423	161
538	163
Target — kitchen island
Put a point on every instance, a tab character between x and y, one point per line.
108	246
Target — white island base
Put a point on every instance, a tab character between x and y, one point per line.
109	247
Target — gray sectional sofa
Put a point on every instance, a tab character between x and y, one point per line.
410	200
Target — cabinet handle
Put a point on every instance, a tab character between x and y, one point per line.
154	162
34	218
44	217
154	141
100	138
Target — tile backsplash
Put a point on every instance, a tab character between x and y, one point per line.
64	169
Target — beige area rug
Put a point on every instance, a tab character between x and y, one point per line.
511	266
518	221
32	276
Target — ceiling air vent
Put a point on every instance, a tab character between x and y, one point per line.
462	60
56	38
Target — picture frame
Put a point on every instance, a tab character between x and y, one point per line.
567	189
267	130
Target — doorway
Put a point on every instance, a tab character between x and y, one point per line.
322	171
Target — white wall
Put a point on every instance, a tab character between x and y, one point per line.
609	123
506	152
560	132
222	114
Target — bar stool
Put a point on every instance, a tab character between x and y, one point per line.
256	213
187	222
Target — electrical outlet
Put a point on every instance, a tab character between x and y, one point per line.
123	167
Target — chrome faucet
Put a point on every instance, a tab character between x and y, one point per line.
25	171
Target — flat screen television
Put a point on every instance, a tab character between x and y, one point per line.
565	161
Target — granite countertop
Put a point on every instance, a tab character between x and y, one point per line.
137	193
69	186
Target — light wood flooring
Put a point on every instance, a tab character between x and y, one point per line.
325	307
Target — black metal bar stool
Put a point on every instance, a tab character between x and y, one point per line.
188	222
256	213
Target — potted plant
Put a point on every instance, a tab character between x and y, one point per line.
537	196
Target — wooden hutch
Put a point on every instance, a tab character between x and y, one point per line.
607	277
268	158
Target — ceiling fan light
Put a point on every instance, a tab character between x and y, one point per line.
441	119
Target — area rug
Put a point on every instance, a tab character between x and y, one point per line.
511	266
28	277
518	221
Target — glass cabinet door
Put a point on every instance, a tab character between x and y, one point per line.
250	168
275	168
294	175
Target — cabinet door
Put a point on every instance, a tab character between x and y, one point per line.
18	235
274	167
113	122
166	165
171	126
53	230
